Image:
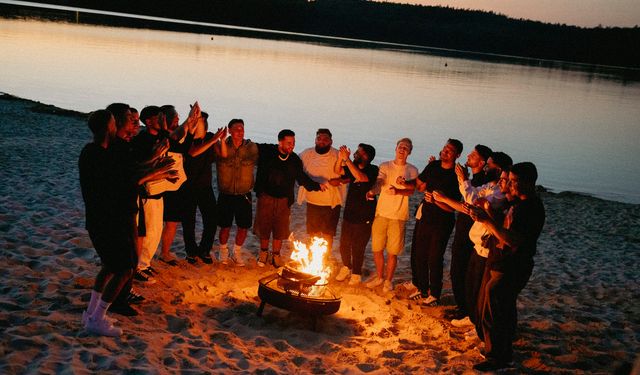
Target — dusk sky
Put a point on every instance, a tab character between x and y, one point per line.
587	13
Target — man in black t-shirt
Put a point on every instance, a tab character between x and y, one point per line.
358	210
511	249
435	221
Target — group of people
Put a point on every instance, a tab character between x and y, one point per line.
139	183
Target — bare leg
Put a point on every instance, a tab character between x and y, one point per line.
113	287
276	246
102	278
392	262
223	237
378	259
168	234
241	236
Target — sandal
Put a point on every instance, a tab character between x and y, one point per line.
171	262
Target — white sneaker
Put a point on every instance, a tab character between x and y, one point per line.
375	282
387	287
102	327
237	258
343	274
262	258
355	279
86	315
430	301
224	255
464	322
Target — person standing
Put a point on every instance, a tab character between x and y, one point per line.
392	213
323	207
462	247
235	164
197	191
358	210
434	222
278	170
512	247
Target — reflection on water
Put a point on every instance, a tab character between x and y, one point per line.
578	128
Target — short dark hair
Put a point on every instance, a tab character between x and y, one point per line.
133	110
484	151
285	133
169	112
235	121
455	143
99	122
148	112
324	131
502	160
526	172
119	112
370	150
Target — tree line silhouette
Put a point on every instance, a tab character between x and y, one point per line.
432	26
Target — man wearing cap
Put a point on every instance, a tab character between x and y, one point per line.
323	207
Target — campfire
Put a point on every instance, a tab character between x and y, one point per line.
301	285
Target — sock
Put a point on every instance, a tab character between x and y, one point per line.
93	302
237	248
101	310
224	246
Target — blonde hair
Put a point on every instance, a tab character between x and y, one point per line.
405	140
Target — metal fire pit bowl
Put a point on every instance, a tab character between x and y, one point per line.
291	294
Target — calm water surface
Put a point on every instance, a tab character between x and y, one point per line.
580	129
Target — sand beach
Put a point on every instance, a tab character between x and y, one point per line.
580	312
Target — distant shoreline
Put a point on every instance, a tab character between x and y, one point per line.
51	12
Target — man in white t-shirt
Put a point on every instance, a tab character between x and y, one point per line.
392	213
323	207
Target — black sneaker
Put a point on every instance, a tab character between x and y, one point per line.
150	271
135	298
191	259
144	277
123	309
206	258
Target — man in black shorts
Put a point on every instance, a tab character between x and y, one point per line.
235	164
278	170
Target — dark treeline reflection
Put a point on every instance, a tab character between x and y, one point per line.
440	27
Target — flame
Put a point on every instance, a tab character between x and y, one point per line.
310	259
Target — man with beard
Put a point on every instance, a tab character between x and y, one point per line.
323	207
278	170
358	210
512	246
434	222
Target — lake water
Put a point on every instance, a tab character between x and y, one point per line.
581	129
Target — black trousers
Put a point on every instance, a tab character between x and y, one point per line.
203	199
427	254
498	319
461	250
353	241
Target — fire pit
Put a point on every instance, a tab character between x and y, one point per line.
300	291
